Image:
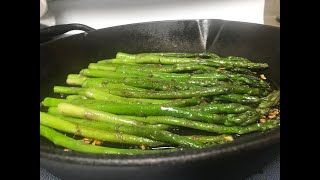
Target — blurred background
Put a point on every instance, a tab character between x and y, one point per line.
105	13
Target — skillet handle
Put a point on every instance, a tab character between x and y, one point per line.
48	33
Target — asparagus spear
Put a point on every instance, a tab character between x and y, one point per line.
234	89
52	102
151	133
212	91
152	59
213	127
142	82
239	64
245	118
105	74
136	72
216	62
71	97
92	93
131	72
67	90
105	96
75	79
101	82
221	108
152	67
54	111
167	54
212	139
158	110
248	78
240	70
238	98
209	91
86	113
271	100
76	145
181	55
123	86
62	125
151	83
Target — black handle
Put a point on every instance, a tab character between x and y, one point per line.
48	33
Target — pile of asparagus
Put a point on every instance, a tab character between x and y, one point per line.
144	103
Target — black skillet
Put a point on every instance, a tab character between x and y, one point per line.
236	160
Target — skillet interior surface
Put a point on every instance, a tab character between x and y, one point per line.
68	55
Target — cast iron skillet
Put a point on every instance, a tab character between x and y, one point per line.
235	160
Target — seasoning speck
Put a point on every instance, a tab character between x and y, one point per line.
143	147
87	140
273	113
263	121
96	142
262	76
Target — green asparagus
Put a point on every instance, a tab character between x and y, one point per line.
65	126
151	133
76	145
157	99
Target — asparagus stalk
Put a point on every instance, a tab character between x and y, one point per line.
52	102
221	108
75	79
152	83
54	111
123	86
104	74
167	54
137	72
142	82
76	145
239	64
234	89
238	98
213	127
152	67
215	62
212	139
97	94
67	90
131	72
151	133
171	94
86	113
105	96
158	110
71	97
271	100
152	59
65	126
